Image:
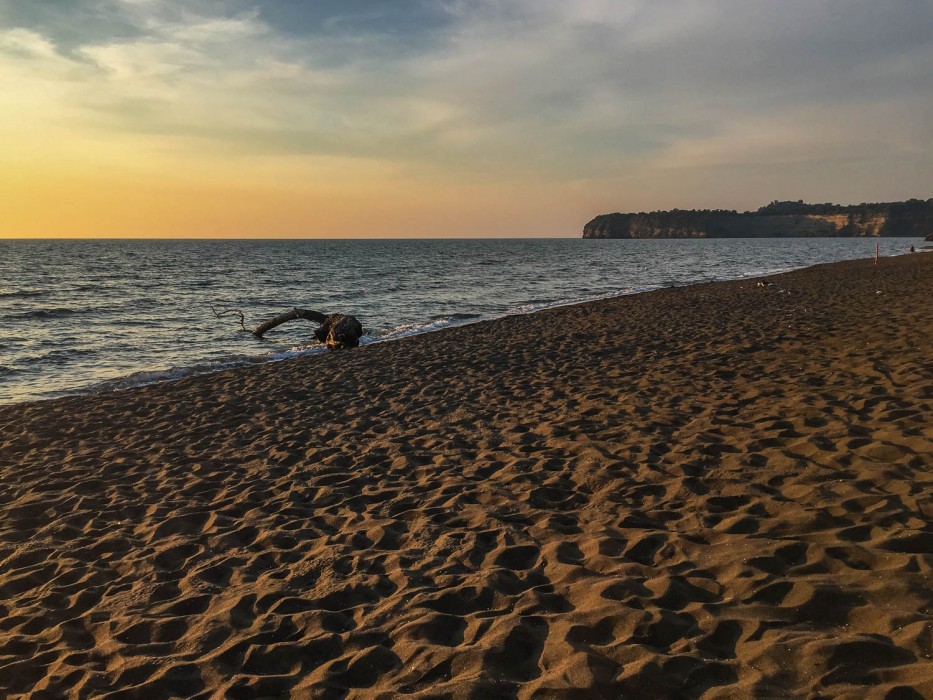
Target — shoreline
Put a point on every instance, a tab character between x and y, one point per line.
715	490
133	381
171	374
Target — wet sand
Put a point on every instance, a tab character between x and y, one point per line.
718	491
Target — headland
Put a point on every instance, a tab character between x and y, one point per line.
776	220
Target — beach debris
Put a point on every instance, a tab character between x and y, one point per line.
340	331
336	331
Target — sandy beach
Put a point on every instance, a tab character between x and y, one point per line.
716	491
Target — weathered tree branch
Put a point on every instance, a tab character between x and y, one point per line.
292	315
336	330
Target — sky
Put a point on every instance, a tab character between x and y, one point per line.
425	118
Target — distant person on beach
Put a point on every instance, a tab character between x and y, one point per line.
912	249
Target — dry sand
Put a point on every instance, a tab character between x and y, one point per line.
719	491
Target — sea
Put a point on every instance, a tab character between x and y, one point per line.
79	316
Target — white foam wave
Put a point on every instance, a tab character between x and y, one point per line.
409	329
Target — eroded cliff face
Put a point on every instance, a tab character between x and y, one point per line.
656	225
777	220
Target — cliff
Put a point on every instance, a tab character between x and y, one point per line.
776	220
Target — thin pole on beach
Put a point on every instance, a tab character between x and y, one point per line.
877	252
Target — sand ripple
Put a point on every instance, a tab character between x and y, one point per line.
712	492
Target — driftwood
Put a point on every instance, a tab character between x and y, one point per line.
337	331
292	315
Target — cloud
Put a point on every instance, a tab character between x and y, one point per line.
25	44
464	91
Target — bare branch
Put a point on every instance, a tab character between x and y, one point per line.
292	315
227	312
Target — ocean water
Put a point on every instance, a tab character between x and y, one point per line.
79	316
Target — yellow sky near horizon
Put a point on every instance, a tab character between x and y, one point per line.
79	205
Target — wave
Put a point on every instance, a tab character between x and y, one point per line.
56	357
45	314
408	329
23	294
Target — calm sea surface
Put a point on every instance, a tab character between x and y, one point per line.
80	316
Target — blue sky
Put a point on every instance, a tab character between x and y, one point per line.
508	117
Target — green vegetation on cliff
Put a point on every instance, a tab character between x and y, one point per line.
775	220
